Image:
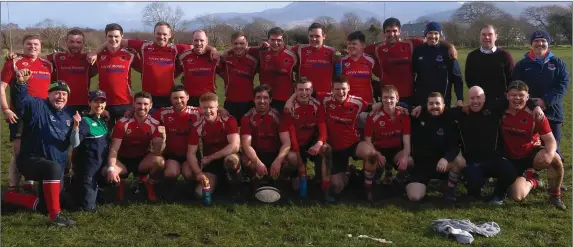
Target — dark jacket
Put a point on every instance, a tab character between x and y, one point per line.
547	79
434	138
94	142
47	131
492	72
435	71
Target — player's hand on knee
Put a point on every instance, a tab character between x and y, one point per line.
261	169
403	163
380	160
442	165
276	169
315	149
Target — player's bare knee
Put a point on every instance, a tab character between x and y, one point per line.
460	162
231	163
292	158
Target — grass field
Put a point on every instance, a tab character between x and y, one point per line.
533	222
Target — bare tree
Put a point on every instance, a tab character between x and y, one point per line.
328	22
52	33
541	17
257	30
351	22
156	12
373	28
474	11
5	34
209	23
237	23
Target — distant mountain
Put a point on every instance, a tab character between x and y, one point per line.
303	13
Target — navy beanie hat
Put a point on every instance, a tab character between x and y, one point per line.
540	34
433	26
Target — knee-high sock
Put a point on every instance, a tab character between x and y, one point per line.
52	196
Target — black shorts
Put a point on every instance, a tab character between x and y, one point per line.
216	167
340	158
390	154
16	130
279	105
423	172
161	101
238	109
131	164
193	101
521	165
180	159
267	157
316	159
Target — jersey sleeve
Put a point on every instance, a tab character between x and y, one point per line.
417	42
193	137
245	126
135	44
7	71
254	51
542	127
231	127
182	47
118	130
407	127
369	127
288	121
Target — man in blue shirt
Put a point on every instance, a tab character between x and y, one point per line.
45	145
548	79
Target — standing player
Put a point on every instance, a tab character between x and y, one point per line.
37	87
265	138
357	67
341	116
130	146
394	59
199	68
548	79
435	145
45	144
238	70
220	138
178	119
310	129
434	70
277	64
518	128
114	68
388	130
316	60
489	66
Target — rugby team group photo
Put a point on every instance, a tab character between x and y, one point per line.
314	122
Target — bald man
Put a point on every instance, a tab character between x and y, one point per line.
481	147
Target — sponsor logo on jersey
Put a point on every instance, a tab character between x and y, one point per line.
25	64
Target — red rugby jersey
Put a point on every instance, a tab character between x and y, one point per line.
359	74
518	133
276	70
238	72
177	126
158	70
308	121
198	73
136	137
264	129
394	64
385	132
341	119
40	80
76	71
213	135
316	65
114	71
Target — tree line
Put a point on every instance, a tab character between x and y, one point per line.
462	28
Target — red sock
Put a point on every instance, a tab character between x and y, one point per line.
325	185
533	183
529	174
555	193
119	190
52	196
13	188
143	179
23	200
150	190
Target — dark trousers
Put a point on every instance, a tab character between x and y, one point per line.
556	129
476	174
40	169
85	185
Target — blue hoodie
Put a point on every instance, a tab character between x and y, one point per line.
547	79
47	131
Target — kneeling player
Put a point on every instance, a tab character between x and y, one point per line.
341	114
518	128
129	150
389	131
177	119
220	138
435	139
265	138
307	116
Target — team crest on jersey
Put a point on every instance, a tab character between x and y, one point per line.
551	66
524	121
296	116
94	124
286	60
122	58
420	58
439	58
52	118
382	123
308	51
385	50
332	106
351	110
45	65
347	65
486	112
63	58
170	119
128	131
440	132
254	123
102	57
68	122
25	64
268	57
190	61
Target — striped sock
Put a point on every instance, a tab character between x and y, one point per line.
368	178
453	179
533	182
23	200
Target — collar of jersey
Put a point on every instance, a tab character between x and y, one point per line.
492	50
